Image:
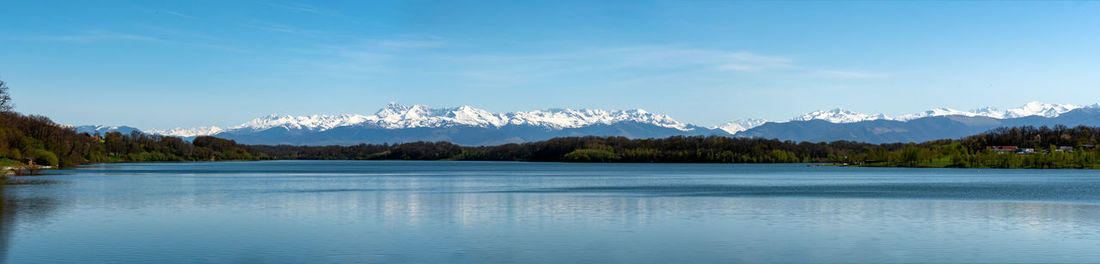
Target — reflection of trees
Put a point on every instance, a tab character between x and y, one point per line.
11	209
7	222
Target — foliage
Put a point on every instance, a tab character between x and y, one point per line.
45	157
47	143
592	149
1054	147
4	162
591	155
5	98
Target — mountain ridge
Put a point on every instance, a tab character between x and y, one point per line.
396	123
395	116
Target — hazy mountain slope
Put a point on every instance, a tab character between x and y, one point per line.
462	135
99	129
915	130
467	125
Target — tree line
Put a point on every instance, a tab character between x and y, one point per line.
47	143
1049	147
38	139
1053	147
686	149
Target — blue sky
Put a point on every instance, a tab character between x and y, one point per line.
163	64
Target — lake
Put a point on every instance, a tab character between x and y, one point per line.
516	212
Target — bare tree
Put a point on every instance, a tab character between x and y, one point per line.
5	99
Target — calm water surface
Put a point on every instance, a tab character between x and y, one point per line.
492	212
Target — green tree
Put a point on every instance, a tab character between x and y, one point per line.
5	99
45	157
591	155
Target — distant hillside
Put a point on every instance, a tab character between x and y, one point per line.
469	126
463	125
461	135
100	130
915	130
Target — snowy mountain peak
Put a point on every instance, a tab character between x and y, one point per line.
101	129
988	111
1040	109
188	132
569	118
838	115
392	109
939	111
733	127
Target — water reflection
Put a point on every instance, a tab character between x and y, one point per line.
412	208
13	210
548	213
715	229
7	220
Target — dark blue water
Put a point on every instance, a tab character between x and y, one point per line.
490	212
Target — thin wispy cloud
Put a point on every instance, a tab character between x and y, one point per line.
165	37
97	35
701	59
303	8
746	61
845	74
358	62
613	64
287	29
178	14
176	33
410	44
273	27
168	12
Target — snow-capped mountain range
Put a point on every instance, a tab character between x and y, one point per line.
839	115
1029	109
467	125
395	116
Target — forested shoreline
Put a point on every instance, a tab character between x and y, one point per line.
31	139
39	140
1048	147
1057	147
44	142
679	149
